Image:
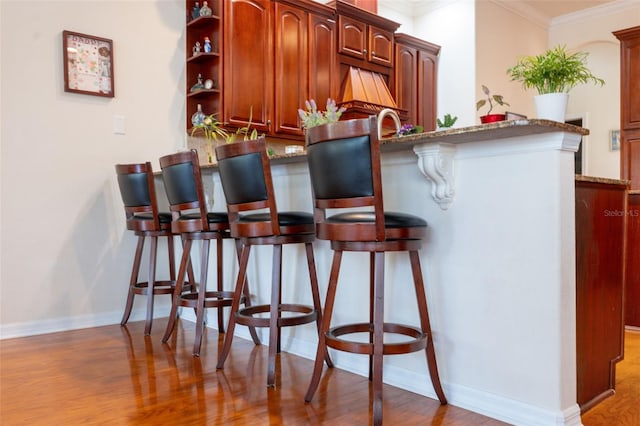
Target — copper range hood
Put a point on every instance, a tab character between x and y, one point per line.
365	93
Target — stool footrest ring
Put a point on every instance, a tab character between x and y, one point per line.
213	299
418	342
246	316
160	287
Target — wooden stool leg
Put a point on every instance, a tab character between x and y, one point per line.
315	293
235	305
185	263
202	294
151	284
274	314
172	258
247	296
220	269
372	272
426	325
378	337
322	351
134	279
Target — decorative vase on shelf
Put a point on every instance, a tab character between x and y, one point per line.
552	106
195	13
198	116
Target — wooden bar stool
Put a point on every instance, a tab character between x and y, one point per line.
138	193
344	164
245	174
190	218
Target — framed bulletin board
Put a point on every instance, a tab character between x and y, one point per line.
88	64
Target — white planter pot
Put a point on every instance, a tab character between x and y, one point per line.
552	106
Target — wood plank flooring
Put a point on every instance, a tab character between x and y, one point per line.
114	375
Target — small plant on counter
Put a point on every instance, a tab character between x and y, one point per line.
490	100
313	117
448	121
409	129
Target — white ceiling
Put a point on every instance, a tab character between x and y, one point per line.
552	9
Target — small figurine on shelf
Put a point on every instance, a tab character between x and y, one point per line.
199	85
207	44
196	11
196	48
205	10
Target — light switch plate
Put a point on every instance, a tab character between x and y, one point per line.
118	125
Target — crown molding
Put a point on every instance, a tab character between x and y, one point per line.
525	11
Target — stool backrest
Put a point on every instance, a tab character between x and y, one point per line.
344	165
183	185
245	174
138	193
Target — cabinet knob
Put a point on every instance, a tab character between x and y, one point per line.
364	51
268	122
373	53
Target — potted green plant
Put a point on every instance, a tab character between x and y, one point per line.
212	129
498	99
553	74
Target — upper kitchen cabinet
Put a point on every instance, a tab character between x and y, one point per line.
204	61
248	64
415	80
365	39
277	55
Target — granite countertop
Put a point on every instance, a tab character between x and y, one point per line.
596	179
476	133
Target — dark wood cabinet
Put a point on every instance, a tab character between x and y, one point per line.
600	246
323	71
248	64
630	105
269	56
630	162
415	80
206	65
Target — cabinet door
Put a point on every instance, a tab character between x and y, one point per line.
352	37
323	74
290	67
406	81
630	59
427	93
380	46
248	64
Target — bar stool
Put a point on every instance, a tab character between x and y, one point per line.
246	179
190	218
344	164
138	193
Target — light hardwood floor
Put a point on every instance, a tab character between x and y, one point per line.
115	375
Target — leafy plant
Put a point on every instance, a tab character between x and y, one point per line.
211	127
448	121
555	71
490	99
246	131
312	117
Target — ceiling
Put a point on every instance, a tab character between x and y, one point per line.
551	9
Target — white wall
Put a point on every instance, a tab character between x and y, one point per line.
66	256
591	32
453	27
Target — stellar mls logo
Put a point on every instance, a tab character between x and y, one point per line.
619	213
